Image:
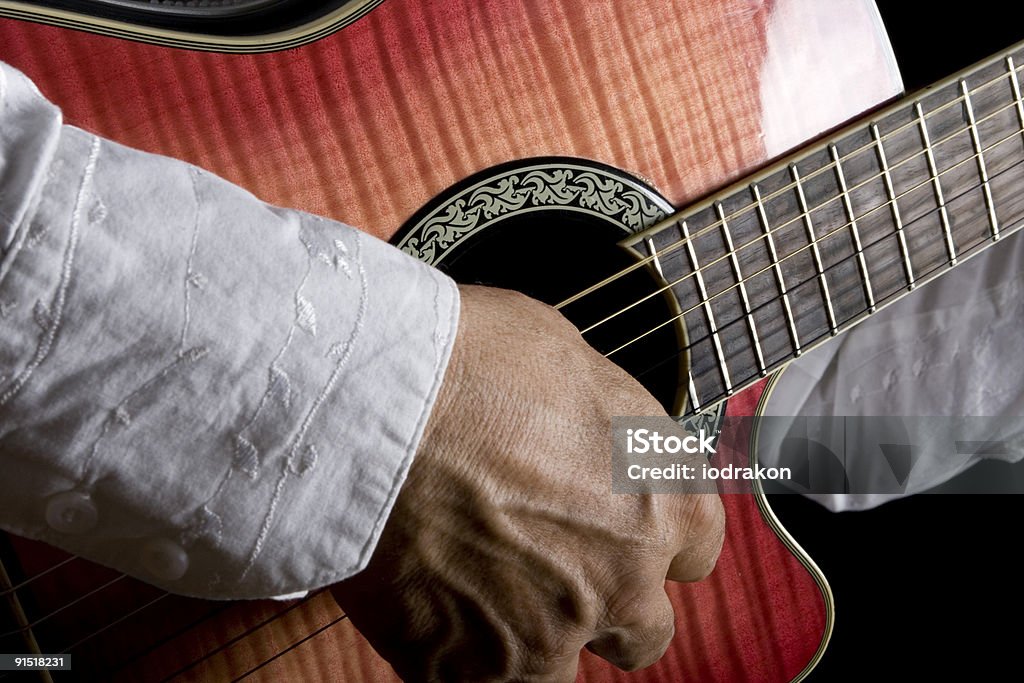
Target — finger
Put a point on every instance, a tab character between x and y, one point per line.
703	532
635	645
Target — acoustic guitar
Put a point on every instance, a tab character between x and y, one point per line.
545	146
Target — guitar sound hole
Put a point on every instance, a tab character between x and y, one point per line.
554	254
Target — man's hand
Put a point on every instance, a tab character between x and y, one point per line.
506	551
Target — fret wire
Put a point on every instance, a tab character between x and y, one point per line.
692	390
813	243
936	184
869	294
707	307
836	230
654	254
727	233
982	167
908	268
863	183
1015	85
906	193
779	278
672	220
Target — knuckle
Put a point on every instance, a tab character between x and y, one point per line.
639	628
636	647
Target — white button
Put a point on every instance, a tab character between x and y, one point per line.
164	559
71	512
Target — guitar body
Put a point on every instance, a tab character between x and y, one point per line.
370	123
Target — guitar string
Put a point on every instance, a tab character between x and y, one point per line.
799	217
864	312
218	609
810	245
674	220
153	646
67	649
15	588
717	224
241	636
84	639
195	624
291	647
63	607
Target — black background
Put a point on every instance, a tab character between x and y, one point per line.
927	588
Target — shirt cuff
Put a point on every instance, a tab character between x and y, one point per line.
217	396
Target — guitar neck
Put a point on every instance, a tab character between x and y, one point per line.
775	265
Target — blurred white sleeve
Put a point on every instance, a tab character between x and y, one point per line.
947	351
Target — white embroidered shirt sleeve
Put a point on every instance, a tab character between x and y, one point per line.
216	395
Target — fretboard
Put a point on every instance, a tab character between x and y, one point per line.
779	263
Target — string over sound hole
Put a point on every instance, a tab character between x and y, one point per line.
549	228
